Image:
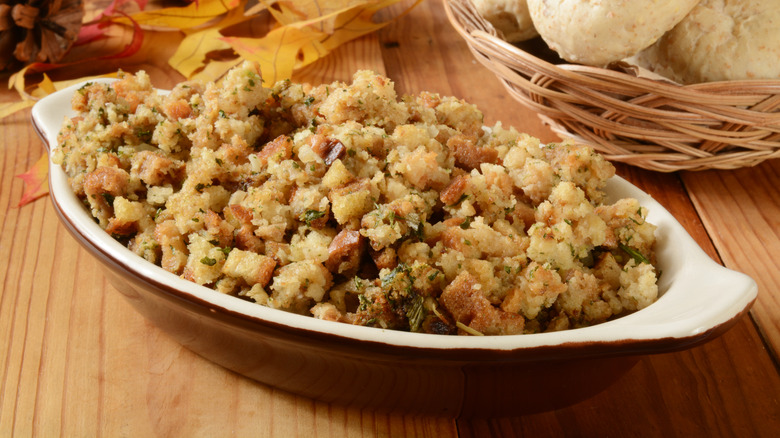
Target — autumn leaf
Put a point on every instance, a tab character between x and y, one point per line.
8	108
215	69
28	99
133	46
95	29
191	55
310	30
35	184
278	51
185	17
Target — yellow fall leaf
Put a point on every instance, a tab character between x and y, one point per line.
215	69
290	12
276	52
354	23
8	108
304	38
185	17
43	88
308	30
191	54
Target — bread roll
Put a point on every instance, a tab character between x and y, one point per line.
597	32
509	16
719	40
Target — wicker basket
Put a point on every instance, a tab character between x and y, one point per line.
654	124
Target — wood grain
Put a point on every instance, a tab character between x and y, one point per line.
741	212
77	360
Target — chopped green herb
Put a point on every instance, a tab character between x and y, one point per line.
143	133
83	89
208	261
415	312
466	223
388	279
417	228
636	255
109	198
364	302
311	215
391	216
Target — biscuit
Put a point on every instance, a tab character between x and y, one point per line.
599	32
719	40
511	17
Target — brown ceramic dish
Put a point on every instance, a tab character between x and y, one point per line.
451	375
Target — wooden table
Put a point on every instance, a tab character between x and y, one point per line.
78	361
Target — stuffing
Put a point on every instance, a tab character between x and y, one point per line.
343	202
638	288
254	269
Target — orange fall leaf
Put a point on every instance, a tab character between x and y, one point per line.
35	181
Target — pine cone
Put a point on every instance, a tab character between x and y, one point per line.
37	30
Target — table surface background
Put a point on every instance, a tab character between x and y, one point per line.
76	360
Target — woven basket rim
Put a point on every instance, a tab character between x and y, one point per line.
629	114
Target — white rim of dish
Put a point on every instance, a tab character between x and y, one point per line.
696	294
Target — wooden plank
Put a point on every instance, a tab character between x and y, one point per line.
741	211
